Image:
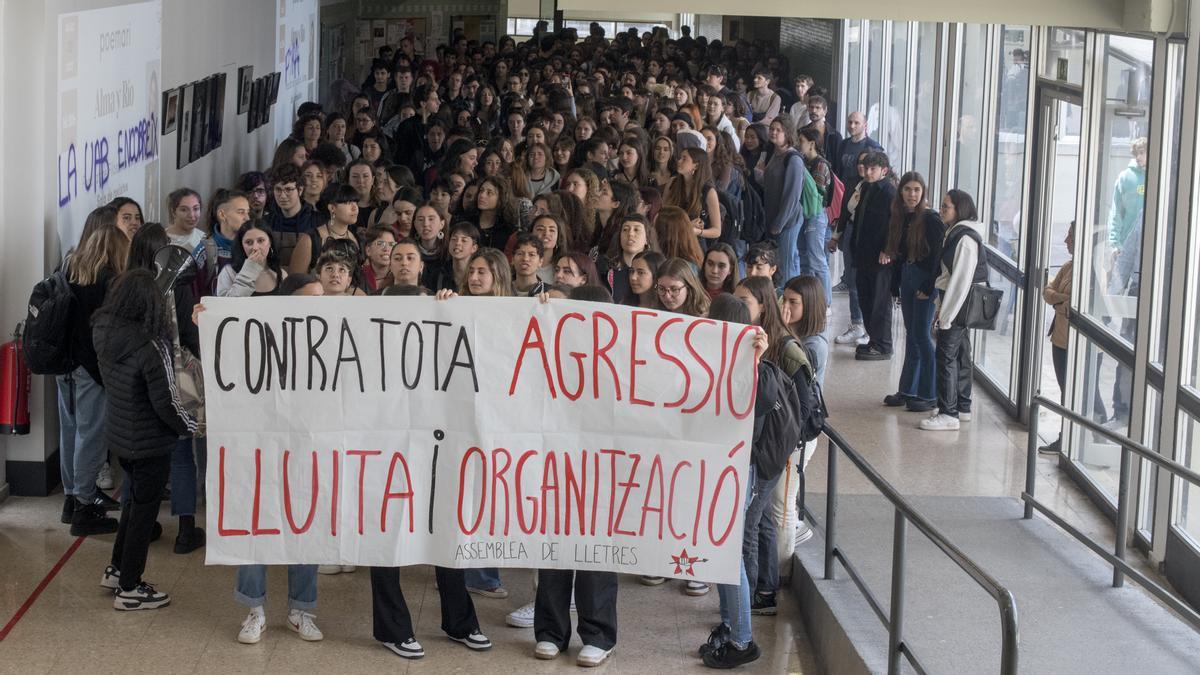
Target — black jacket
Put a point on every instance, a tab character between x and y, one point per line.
144	417
871	221
88	299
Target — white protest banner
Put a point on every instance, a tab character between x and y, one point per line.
108	117
476	432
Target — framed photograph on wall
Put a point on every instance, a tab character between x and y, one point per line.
245	82
199	111
255	112
275	77
184	137
170	111
216	121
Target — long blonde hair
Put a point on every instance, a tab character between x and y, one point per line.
104	249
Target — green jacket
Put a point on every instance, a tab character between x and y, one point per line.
1128	203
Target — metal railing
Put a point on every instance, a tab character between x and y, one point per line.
893	619
1116	557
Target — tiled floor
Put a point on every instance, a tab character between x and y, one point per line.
71	626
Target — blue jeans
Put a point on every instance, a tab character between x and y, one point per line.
485	578
251	587
787	242
758	546
813	254
735	599
850	278
183	476
82	447
918	377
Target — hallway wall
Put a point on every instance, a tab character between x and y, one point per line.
198	39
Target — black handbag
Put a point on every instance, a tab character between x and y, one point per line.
982	307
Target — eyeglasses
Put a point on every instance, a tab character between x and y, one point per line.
259	191
670	290
283	189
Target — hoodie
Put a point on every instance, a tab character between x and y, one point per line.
1128	203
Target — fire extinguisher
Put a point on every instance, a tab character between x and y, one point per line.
14	387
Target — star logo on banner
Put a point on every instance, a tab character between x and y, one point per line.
685	564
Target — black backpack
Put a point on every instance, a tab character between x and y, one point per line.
731	216
778	420
48	326
754	216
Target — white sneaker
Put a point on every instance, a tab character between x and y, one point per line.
852	335
302	622
964	416
252	628
651	581
695	588
940	422
521	617
409	649
104	479
111	579
142	597
347	569
476	641
546	651
329	569
803	533
590	657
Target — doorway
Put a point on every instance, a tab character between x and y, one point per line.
1059	122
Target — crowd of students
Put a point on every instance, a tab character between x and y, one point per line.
594	169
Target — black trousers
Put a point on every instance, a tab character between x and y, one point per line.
874	284
595	602
147	479
954	370
389	611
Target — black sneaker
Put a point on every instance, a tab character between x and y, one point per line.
156	531
872	354
763	605
476	640
895	400
68	511
728	656
89	519
105	502
142	597
719	636
186	542
920	405
409	649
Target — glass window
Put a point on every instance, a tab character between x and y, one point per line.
926	78
1148	474
1113	280
875	30
853	69
891	126
994	348
972	75
1006	230
1188	508
1099	395
1163	258
1064	52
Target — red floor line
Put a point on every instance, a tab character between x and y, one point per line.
40	587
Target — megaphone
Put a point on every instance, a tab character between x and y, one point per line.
171	261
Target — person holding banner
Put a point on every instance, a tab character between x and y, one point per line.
731	642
